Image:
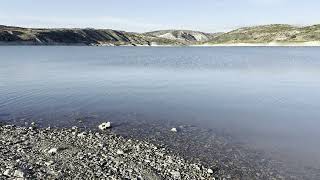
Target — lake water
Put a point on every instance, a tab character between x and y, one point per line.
268	97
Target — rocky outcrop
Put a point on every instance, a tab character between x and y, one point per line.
185	36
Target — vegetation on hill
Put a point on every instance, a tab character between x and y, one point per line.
275	33
278	33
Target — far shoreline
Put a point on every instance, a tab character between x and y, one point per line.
273	44
169	46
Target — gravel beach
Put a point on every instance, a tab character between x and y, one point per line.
31	153
134	152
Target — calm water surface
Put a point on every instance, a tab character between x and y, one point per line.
268	97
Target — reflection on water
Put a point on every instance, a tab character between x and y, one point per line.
269	97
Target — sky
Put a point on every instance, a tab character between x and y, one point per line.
149	15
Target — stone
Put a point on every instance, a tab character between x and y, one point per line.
6	172
53	151
18	174
82	135
210	171
120	152
105	126
49	163
174	130
176	175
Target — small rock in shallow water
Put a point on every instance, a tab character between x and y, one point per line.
104	126
174	130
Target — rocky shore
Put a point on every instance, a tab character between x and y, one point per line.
139	150
46	153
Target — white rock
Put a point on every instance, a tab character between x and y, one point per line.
210	171
120	152
197	167
174	130
49	163
6	172
53	151
82	135
176	175
104	126
18	174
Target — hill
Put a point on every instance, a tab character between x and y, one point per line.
275	33
185	36
33	36
279	33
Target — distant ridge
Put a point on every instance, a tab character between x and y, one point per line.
274	33
278	33
88	36
184	35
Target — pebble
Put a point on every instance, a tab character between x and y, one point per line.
49	163
176	175
120	152
18	174
98	156
53	151
210	171
105	126
82	135
6	172
174	130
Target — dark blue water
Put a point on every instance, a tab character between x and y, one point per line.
268	97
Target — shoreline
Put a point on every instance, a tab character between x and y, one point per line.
272	44
32	153
132	152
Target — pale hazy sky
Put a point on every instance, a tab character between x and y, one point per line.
147	15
